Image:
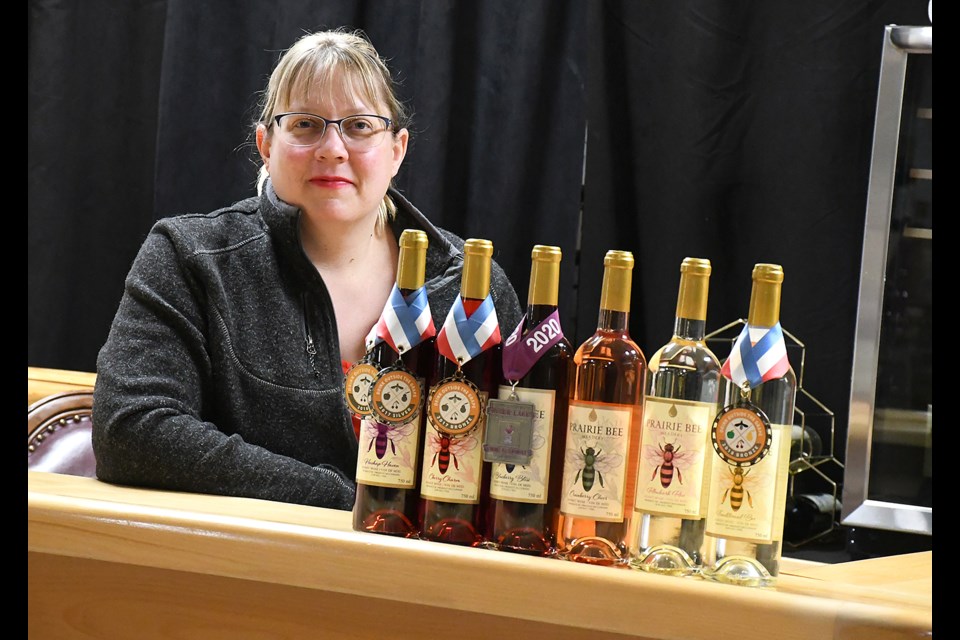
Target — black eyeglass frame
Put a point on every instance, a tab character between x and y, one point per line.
327	122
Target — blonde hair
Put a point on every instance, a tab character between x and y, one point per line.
333	61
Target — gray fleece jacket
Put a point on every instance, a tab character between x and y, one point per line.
206	383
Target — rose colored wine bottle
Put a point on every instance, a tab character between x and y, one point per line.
603	430
524	507
454	478
388	464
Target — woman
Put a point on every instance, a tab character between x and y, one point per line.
223	369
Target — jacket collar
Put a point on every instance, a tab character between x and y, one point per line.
283	221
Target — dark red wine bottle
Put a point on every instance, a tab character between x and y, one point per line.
391	438
454	478
524	505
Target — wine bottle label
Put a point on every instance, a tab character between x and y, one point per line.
508	437
748	502
356	387
674	457
388	454
452	462
527	482
395	396
594	467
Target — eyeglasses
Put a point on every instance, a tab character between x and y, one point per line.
363	131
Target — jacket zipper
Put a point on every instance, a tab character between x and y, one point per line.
308	339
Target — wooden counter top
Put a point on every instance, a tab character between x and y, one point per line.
105	560
44	382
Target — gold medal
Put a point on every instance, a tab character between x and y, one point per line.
741	434
356	387
455	405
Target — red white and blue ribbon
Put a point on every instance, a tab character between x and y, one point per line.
405	321
759	354
462	338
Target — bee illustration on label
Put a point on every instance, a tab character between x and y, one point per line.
592	463
446	448
382	434
666	459
738	489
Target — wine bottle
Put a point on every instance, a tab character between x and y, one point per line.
810	516
679	407
401	347
806	446
751	439
603	430
455	481
531	413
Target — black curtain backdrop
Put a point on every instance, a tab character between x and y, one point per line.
735	131
144	109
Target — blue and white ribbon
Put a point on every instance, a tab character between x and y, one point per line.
759	354
462	338
405	321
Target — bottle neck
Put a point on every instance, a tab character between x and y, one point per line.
412	261
544	289
615	299
537	313
764	304
691	317
617	321
471	304
475	278
690	329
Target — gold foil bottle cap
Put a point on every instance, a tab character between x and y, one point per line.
765	295
694	288
618	259
546	253
544	275
475	280
696	266
477	247
617	281
412	263
414	239
767	272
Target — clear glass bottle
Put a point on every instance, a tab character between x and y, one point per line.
455	480
525	499
603	430
389	456
747	501
680	405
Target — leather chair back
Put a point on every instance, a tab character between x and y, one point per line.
59	430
